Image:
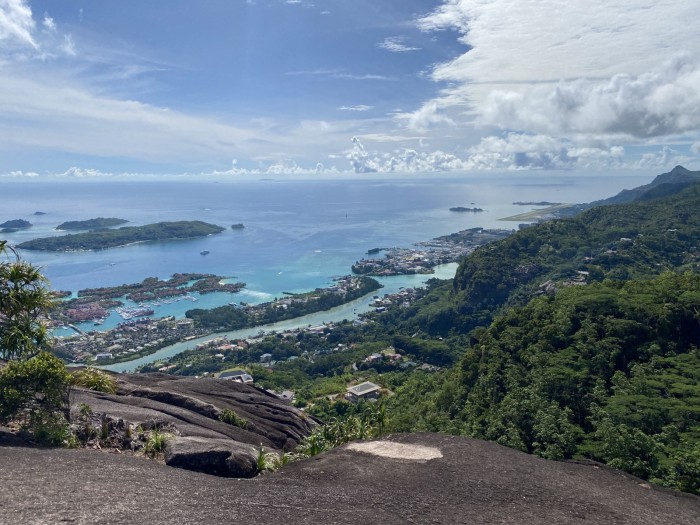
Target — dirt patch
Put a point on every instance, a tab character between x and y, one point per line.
389	449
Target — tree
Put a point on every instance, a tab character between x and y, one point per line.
34	385
24	300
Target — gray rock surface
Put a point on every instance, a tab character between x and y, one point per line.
469	482
189	409
221	457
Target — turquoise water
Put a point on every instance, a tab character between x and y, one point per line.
346	311
298	234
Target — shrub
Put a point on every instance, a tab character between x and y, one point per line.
230	417
94	379
51	429
34	388
156	442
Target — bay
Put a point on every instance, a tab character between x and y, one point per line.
298	234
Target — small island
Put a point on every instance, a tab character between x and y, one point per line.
462	209
238	226
91	224
39	213
100	240
16	224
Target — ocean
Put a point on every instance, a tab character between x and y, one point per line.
298	235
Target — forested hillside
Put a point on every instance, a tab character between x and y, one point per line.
594	347
607	242
609	371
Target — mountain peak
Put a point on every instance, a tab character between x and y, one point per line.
680	169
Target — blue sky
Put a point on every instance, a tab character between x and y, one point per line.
322	88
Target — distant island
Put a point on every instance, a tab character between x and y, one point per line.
39	213
16	224
463	209
91	224
533	203
100	240
238	226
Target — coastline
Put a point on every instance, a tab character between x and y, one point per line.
347	311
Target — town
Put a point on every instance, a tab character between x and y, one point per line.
139	337
441	250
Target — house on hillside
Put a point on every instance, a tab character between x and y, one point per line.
240	376
366	390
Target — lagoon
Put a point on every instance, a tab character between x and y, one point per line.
347	311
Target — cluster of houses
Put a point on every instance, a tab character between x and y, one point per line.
441	250
127	338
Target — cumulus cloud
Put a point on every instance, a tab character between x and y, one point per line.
395	44
359	160
71	173
49	23
662	102
512	151
21	174
430	114
577	69
84	173
523	151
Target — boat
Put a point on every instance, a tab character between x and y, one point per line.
204	252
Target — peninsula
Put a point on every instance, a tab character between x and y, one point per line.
421	260
103	239
91	224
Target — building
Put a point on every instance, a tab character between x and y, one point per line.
366	390
240	376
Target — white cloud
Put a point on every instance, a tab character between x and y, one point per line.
513	151
388	137
21	41
516	151
593	67
68	46
21	174
338	74
17	24
49	23
40	115
428	115
359	160
662	102
84	173
395	44
359	107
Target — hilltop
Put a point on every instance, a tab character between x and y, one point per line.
433	478
662	185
